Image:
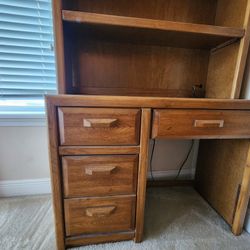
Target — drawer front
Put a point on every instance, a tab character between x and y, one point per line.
99	215
201	124
99	175
99	126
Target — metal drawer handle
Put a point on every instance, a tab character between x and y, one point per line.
99	123
100	211
99	170
209	123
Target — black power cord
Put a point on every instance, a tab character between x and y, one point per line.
151	160
182	164
185	160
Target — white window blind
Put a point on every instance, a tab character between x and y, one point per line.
27	64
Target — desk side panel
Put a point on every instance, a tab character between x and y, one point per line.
219	174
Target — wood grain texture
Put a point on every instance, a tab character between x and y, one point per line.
73	132
142	173
123	91
79	180
77	220
98	238
231	13
171	33
98	150
112	67
200	124
243	200
135	22
147	102
221	72
59	46
227	65
192	11
242	53
219	173
55	173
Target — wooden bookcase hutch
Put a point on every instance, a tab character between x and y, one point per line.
133	70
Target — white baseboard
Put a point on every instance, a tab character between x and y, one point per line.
247	221
186	173
25	187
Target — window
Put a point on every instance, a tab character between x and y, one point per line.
27	63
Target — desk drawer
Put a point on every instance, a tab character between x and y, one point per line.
99	126
201	124
99	215
99	175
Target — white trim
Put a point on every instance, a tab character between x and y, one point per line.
22	121
247	221
24	115
25	187
186	173
22	118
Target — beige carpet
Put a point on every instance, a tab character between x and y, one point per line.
176	219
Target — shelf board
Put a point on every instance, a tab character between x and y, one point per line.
178	34
181	93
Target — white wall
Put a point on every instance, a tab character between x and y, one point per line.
23	153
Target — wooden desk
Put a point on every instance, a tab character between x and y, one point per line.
99	160
99	144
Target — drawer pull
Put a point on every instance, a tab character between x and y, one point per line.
209	123
96	170
99	123
100	211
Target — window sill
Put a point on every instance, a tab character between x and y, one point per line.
23	119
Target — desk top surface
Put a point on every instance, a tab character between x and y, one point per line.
147	102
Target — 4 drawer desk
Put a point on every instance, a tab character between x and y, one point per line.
99	159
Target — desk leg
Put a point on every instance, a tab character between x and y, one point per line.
242	203
56	180
142	173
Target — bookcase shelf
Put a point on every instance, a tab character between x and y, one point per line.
178	34
151	48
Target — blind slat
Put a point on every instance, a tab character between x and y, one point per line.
45	5
24	43
37	11
6	17
26	52
27	58
28	86
26	65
